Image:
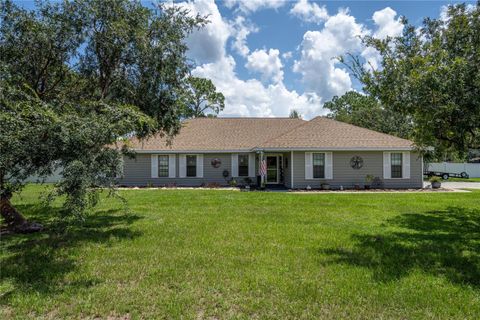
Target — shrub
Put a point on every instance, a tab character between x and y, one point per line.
435	179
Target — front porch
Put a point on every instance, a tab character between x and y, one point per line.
277	173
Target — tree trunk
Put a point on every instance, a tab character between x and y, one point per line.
14	220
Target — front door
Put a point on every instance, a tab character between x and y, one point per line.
272	169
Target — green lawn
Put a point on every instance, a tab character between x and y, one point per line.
463	180
224	254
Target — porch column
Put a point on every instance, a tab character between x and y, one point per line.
262	176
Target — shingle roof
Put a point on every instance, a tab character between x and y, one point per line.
229	134
217	134
322	132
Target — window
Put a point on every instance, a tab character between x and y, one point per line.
163	166
243	165
319	165
191	166
396	162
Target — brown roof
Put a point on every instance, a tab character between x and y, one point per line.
231	134
217	134
322	132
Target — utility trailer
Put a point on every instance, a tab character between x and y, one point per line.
446	175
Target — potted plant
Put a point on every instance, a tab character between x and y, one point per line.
368	181
436	182
248	181
233	183
325	186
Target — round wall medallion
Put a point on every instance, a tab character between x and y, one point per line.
216	163
356	162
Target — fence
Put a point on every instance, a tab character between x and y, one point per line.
472	169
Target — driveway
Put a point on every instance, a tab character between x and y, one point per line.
457	185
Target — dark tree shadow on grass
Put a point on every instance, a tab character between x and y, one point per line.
443	243
38	262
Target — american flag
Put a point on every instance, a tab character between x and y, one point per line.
263	168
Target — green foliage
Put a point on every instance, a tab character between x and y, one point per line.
78	78
432	74
294	114
435	179
255	255
201	99
367	112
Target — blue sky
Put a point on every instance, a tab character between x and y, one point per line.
271	56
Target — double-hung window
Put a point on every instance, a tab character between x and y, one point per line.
191	166
396	165
318	165
243	165
163	166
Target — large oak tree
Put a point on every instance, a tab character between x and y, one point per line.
76	78
432	75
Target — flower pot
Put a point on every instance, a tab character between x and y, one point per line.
436	185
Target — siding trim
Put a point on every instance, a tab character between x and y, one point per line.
171	166
154	166
308	166
199	166
328	166
234	165
291	169
251	164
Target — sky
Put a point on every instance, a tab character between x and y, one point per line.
269	57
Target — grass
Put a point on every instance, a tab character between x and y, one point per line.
225	254
463	180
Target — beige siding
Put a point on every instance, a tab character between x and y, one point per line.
344	175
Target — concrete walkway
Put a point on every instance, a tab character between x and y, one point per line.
456	185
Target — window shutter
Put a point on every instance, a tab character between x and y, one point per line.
199	165
406	165
328	165
154	166
251	165
387	167
234	165
182	163
308	166
171	166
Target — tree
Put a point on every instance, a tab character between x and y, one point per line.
367	112
77	78
431	74
294	114
201	98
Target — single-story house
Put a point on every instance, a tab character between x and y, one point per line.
290	152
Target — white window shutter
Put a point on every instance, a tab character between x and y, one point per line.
251	164
387	167
406	165
234	165
328	165
199	165
171	166
154	166
182	166
308	166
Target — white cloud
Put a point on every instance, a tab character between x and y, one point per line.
243	97
267	63
206	44
386	23
241	30
287	55
248	6
309	12
317	64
